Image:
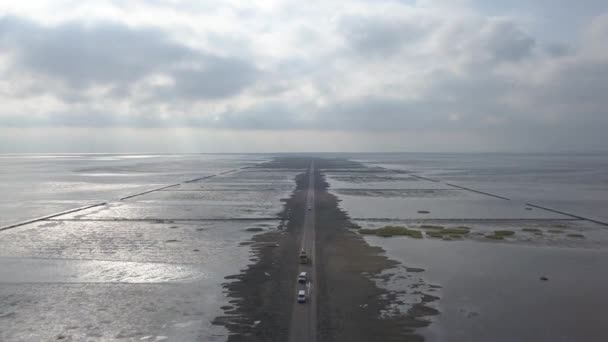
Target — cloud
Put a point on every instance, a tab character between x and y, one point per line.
214	78
367	68
506	42
81	56
380	36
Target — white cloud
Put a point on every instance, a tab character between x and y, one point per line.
426	68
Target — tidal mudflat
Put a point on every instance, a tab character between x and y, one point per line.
150	267
501	270
408	248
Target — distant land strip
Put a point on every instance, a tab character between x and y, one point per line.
477	191
471	219
70	211
162	220
184	182
528	204
47	217
567	214
149	191
420	177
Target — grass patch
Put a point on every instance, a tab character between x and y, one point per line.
254	229
389	231
576	235
456	231
532	230
367	231
431	226
434	234
500	234
448	233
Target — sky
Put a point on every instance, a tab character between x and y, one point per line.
302	76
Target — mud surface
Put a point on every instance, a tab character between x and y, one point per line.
349	301
261	296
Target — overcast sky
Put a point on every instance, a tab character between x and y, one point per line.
283	75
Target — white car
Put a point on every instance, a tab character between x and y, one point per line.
301	296
302	278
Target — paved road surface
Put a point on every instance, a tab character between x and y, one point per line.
304	316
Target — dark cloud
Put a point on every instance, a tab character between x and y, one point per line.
113	54
80	55
576	96
557	50
506	42
379	36
214	78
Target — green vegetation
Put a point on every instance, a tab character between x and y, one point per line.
367	231
254	229
434	234
532	230
389	231
431	226
500	234
457	231
448	233
576	235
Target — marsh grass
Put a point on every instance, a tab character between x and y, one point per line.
576	235
504	233
431	226
449	233
389	231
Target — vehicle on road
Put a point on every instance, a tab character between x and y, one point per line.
303	257
301	296
302	278
309	208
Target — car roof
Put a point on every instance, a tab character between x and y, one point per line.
301	293
302	273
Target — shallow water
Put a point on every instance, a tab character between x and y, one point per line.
38	185
148	279
149	268
574	182
492	291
